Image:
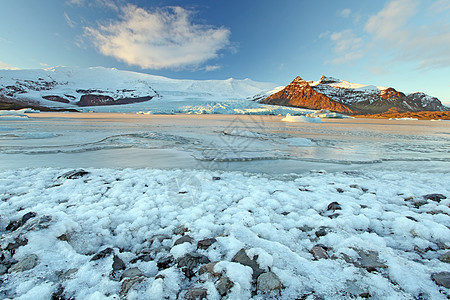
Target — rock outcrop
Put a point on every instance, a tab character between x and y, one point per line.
342	96
300	94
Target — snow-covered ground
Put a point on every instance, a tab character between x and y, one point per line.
370	233
333	210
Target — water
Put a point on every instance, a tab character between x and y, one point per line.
223	142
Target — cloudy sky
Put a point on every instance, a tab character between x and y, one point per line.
400	43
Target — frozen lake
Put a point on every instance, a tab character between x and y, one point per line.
222	142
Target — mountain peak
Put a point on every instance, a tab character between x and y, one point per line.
300	94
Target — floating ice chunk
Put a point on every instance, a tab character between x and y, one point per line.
300	119
404	119
300	142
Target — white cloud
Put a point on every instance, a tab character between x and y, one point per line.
389	24
5	66
111	4
347	46
345	12
400	31
427	46
164	38
212	68
69	21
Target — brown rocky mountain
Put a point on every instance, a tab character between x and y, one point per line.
300	94
344	97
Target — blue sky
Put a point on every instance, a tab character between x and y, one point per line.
400	43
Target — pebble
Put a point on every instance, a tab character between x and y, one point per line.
334	206
130	273
434	197
206	243
224	285
445	257
242	258
208	268
102	254
165	262
442	279
196	293
192	260
184	239
118	264
25	264
268	282
128	283
319	252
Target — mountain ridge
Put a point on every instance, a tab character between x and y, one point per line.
351	98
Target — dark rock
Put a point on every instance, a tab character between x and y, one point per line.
224	285
445	257
180	230
322	231
143	257
411	218
17	243
39	223
442	279
128	283
63	237
59	294
28	216
188	273
74	174
334	216
192	260
3	269
268	282
434	197
196	294
158	238
334	206
242	258
208	268
25	264
339	190
99	100
130	273
318	252
206	243
56	99
102	254
118	264
165	262
369	260
184	239
14	225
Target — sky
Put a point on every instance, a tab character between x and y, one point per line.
403	44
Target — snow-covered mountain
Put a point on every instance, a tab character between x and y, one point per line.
343	96
74	87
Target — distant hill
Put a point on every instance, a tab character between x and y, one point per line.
351	98
67	88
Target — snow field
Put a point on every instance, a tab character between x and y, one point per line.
276	219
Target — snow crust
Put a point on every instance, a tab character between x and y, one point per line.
275	219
